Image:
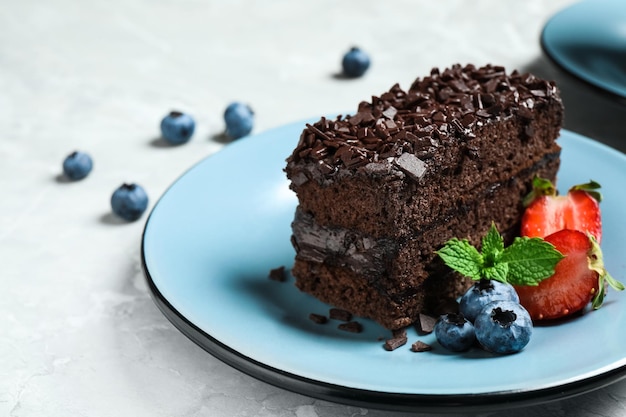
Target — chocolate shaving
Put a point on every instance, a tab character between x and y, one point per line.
395	343
318	318
390	112
351	326
425	324
411	165
278	274
420	346
318	132
340	314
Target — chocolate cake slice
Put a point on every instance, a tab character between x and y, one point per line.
381	190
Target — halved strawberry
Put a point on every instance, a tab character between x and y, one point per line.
546	212
578	278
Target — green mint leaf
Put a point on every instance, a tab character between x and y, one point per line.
498	272
530	260
527	261
492	247
461	256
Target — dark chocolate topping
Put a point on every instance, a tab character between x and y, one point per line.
445	106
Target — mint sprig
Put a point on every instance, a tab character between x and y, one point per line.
527	261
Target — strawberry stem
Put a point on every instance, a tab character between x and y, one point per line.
596	263
591	188
541	187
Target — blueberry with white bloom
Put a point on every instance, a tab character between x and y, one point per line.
503	327
482	293
129	201
239	119
77	165
454	332
177	127
355	63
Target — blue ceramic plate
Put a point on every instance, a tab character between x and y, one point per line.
213	237
588	40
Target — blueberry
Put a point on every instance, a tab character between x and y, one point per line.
355	62
503	327
77	165
454	332
239	120
129	201
177	128
482	293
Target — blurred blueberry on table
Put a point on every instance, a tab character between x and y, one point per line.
239	119
177	127
503	327
454	332
77	165
129	201
355	63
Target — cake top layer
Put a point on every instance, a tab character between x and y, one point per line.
409	126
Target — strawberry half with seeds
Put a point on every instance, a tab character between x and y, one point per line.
579	278
547	212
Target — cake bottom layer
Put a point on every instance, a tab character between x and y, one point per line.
392	279
348	290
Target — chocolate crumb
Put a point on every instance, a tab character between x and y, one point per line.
278	274
339	314
425	324
318	318
351	326
420	346
395	343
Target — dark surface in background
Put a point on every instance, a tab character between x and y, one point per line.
589	111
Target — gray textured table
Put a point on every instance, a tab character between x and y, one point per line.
80	335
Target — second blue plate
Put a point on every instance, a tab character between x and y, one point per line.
588	39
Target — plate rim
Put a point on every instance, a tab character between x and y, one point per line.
423	403
389	401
